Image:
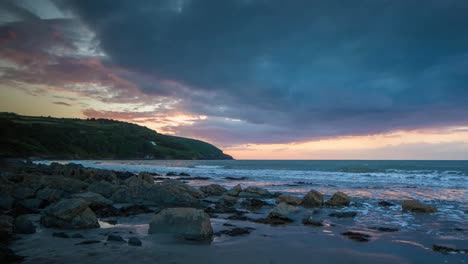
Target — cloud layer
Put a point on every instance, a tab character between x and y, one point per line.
265	71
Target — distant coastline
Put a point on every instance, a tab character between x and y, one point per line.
73	138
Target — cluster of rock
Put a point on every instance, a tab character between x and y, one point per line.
73	197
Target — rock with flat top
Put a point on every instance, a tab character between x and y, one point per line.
417	207
190	223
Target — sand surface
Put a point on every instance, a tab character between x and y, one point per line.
293	243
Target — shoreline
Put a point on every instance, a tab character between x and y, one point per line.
267	242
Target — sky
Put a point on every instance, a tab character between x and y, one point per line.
261	79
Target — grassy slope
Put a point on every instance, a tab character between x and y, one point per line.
65	138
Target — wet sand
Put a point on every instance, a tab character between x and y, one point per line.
294	243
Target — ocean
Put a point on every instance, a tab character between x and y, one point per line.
443	184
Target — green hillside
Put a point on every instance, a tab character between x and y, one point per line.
66	138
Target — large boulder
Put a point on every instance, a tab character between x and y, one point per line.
312	199
94	200
213	189
69	214
190	223
417	207
255	192
283	211
289	199
338	199
234	191
103	188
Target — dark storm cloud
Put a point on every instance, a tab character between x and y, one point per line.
294	70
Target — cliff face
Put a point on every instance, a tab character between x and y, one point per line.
66	138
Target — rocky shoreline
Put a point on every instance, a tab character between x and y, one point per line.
73	198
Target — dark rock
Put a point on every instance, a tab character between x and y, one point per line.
6	201
69	214
237	231
417	207
273	220
31	204
312	199
303	183
385	204
343	214
115	238
88	242
111	211
385	229
60	234
221	209
20	209
213	189
50	195
134	241
338	199
227	224
103	188
23	225
228	199
164	194
289	199
311	222
356	236
234	191
94	200
77	236
254	203
22	193
197	178
161	178
171	173
135	210
145	176
283	211
447	250
184	174
236	178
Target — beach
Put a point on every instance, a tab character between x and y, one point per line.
256	225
